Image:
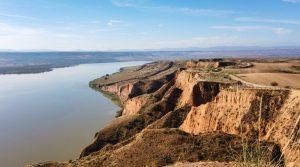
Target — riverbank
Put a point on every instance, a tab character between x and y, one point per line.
193	111
112	97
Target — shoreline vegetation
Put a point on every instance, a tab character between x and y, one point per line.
111	96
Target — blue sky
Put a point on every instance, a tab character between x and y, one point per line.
147	24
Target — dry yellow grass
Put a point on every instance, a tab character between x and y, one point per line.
204	164
283	79
265	68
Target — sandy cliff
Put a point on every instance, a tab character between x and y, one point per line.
177	114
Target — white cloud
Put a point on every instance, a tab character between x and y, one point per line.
292	1
62	37
240	28
192	11
113	22
17	16
117	24
139	4
127	3
206	41
282	31
278	31
262	20
7	30
21	37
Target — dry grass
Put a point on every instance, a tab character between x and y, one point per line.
283	79
267	68
204	164
253	157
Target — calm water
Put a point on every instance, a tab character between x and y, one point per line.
53	115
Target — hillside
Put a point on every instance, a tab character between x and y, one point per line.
185	113
14	62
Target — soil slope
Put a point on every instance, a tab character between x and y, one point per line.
184	114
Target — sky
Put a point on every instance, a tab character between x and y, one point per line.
70	25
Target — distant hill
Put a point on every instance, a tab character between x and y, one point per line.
35	62
230	48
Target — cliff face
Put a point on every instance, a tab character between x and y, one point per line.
270	115
176	115
252	113
236	111
197	64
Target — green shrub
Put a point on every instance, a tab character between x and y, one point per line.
274	83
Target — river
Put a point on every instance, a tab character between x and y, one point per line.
52	115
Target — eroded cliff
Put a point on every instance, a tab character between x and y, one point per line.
173	112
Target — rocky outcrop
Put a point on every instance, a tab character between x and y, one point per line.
209	64
201	64
182	115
